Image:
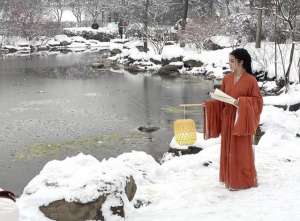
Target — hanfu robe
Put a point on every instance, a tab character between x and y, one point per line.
237	125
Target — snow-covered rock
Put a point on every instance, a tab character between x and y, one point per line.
64	40
219	42
95	43
290	100
103	34
78	39
78	45
168	71
23	44
10	48
53	43
120	40
84	180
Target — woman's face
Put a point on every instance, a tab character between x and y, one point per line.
234	64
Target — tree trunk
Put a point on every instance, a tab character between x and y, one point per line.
227	7
251	4
103	18
299	70
276	60
287	74
259	25
146	26
211	7
275	36
185	13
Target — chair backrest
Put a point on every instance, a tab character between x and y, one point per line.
185	131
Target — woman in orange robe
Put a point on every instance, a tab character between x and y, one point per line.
236	123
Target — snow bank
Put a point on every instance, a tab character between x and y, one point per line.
187	190
82	179
290	98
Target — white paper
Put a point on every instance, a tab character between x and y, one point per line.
221	96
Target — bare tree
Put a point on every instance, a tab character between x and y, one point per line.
57	7
227	2
146	20
185	13
199	29
24	18
149	13
251	4
94	8
77	7
259	24
288	11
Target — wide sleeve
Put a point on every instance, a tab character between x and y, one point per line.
248	113
212	112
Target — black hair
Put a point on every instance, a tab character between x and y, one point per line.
242	54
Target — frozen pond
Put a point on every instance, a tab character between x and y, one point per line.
58	105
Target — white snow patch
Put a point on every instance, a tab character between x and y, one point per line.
172	51
290	98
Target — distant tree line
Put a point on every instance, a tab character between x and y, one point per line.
249	19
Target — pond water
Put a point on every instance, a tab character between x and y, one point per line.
56	106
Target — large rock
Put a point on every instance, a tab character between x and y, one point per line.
91	34
115	51
83	188
133	69
192	63
166	61
258	134
98	65
155	61
189	150
62	210
10	49
63	40
219	42
293	107
168	71
4	51
210	45
141	48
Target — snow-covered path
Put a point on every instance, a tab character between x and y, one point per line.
186	190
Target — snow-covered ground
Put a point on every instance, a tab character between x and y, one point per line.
182	188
